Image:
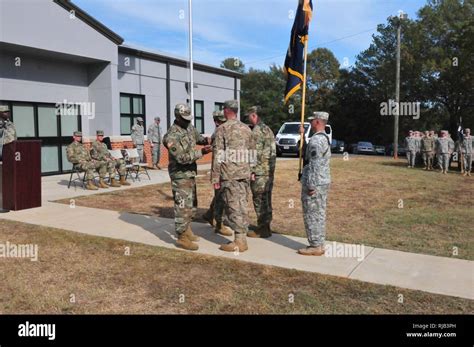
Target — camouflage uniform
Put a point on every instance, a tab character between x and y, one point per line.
316	176
411	148
427	147
264	173
232	166
100	152
466	149
154	136
9	132
78	155
444	148
182	169
138	138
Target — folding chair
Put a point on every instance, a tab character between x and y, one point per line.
77	171
135	164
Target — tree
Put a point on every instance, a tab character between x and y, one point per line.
234	64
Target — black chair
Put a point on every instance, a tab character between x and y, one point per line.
77	171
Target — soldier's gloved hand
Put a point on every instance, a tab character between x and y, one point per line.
206	149
252	177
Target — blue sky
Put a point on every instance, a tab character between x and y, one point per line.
255	31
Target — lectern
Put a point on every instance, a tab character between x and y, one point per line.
20	175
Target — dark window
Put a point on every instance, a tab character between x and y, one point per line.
131	107
218	106
199	115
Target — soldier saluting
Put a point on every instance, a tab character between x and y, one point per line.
315	182
181	140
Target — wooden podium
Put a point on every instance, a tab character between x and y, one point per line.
20	175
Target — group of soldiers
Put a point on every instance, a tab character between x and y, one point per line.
153	137
243	160
433	149
99	159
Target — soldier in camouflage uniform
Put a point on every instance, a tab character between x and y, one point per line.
100	152
79	155
444	148
315	181
232	168
427	147
138	137
181	140
7	128
154	137
411	147
262	186
466	150
216	209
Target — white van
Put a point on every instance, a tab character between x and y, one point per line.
288	137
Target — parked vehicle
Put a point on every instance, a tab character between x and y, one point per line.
380	150
351	147
401	150
364	148
337	146
287	139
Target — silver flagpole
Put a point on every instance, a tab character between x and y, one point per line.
191	64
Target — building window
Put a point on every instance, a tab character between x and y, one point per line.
131	107
199	116
218	106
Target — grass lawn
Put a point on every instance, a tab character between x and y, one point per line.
374	201
103	279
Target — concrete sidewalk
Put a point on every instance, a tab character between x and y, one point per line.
447	276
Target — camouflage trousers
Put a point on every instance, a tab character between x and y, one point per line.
140	152
443	161
156	153
467	162
90	166
411	156
262	199
314	214
428	159
234	194
185	203
216	209
118	164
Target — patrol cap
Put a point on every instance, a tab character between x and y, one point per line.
77	133
99	133
319	115
139	119
4	108
219	115
232	104
158	118
253	109
183	111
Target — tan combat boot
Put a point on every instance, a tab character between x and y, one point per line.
469	173
312	251
114	183
223	230
185	243
239	244
102	183
261	232
123	181
190	235
91	186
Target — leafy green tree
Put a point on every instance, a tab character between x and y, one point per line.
234	64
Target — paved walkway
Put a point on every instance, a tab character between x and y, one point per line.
432	274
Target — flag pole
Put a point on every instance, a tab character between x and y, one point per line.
191	62
303	103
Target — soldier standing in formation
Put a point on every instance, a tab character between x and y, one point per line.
216	209
315	181
410	147
444	148
264	170
154	137
100	152
138	137
427	147
466	150
232	169
80	156
7	127
181	140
